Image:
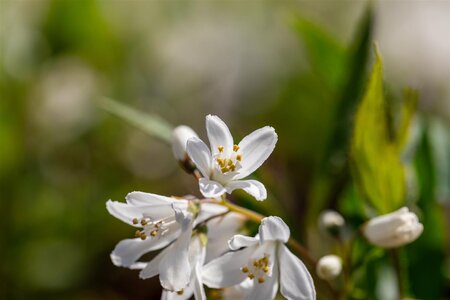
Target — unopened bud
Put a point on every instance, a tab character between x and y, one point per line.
331	222
180	136
329	267
395	229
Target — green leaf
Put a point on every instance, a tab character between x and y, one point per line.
326	54
149	123
407	112
377	166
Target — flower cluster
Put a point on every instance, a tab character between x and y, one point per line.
198	239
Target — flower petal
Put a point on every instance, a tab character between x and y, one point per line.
274	229
152	267
218	135
143	199
239	241
255	148
200	155
266	290
252	187
210	188
295	280
208	210
187	294
239	291
225	271
126	212
175	269
128	251
199	291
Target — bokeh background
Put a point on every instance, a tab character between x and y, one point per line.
299	66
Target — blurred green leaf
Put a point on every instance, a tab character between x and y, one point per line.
376	158
327	56
407	112
149	123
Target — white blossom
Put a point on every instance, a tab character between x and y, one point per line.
266	261
225	165
329	267
164	223
395	229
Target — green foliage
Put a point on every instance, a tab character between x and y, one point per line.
377	166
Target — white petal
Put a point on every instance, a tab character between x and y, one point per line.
255	148
141	199
218	135
239	291
200	155
220	230
274	229
208	210
266	290
128	251
240	241
175	269
127	212
252	187
295	280
199	291
225	271
210	188
187	294
152	267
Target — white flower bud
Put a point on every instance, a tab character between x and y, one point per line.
395	229
329	267
180	136
331	221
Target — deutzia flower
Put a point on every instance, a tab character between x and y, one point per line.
226	163
395	229
163	221
266	261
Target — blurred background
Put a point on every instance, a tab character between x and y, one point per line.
300	66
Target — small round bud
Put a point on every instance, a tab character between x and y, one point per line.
331	222
329	267
180	136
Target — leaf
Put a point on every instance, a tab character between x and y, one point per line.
149	123
407	113
326	55
377	167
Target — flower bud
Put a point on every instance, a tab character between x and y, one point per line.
329	267
331	222
180	136
395	229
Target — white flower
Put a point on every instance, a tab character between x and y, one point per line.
226	163
266	261
395	229
163	221
180	136
329	267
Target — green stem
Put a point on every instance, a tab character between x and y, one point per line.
398	272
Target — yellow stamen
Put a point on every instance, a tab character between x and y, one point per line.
261	280
180	292
235	148
245	270
143	236
221	149
266	269
153	233
251	276
143	222
135	221
239	157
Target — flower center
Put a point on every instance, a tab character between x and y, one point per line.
153	228
230	163
257	268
